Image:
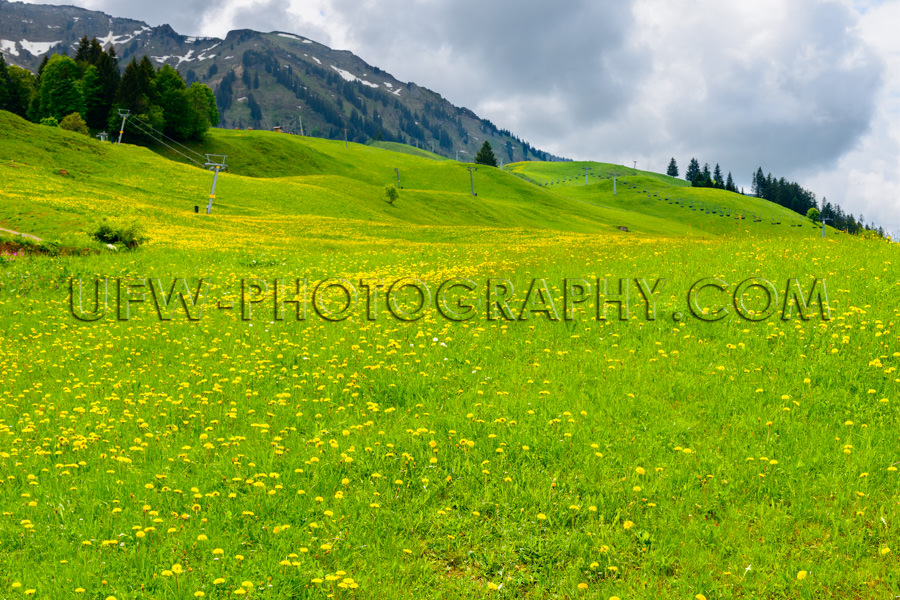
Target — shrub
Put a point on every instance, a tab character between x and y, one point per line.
131	234
391	193
50	122
74	122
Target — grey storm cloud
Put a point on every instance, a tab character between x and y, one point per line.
803	100
578	51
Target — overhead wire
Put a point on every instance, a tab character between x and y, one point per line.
157	135
170	139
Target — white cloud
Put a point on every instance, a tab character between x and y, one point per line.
866	180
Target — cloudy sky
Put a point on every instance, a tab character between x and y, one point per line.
806	89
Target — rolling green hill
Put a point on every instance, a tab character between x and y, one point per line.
635	415
57	182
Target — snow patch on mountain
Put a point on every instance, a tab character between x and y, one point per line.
348	76
33	48
8	47
112	38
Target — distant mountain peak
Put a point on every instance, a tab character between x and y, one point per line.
263	80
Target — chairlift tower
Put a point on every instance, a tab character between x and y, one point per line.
215	163
472	179
124	113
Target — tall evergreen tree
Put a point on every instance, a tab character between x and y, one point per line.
729	183
717	177
137	93
137	87
706	175
759	181
108	69
485	155
693	171
672	171
96	108
82	54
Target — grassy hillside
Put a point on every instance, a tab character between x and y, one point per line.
407	149
185	445
280	182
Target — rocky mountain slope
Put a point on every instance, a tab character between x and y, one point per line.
264	80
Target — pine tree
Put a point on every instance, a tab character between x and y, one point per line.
82	54
672	171
729	183
108	69
486	156
717	177
759	182
693	171
97	110
136	89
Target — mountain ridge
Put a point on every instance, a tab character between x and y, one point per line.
263	80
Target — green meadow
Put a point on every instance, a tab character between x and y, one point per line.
529	433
